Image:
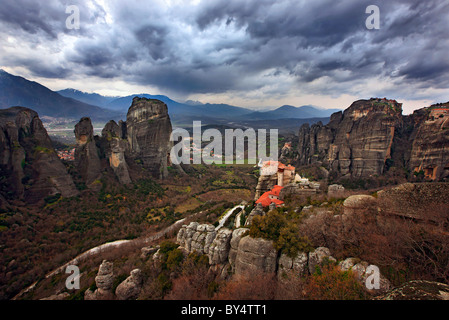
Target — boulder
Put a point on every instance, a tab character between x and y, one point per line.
335	191
131	287
418	290
363	270
104	282
358	204
255	256
317	256
257	211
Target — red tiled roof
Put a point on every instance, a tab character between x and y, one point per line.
265	198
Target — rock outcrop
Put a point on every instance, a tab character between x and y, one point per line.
363	270
131	287
29	166
356	142
418	290
296	266
148	129
255	256
430	148
219	249
358	204
115	147
372	135
237	235
317	256
196	237
104	282
87	159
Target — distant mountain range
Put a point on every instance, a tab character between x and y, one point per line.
72	103
18	91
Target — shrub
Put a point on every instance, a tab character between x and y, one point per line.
333	284
284	233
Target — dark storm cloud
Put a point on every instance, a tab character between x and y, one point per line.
239	45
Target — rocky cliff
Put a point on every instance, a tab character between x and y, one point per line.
356	142
371	135
30	168
87	159
115	147
148	129
430	147
143	138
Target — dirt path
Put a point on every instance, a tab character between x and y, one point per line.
142	242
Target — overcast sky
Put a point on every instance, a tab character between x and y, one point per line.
251	53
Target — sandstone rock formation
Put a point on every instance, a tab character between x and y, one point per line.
418	290
356	142
196	237
430	148
363	270
317	256
131	287
358	204
255	256
29	166
415	200
148	130
219	249
104	282
296	266
87	158
115	148
237	235
257	211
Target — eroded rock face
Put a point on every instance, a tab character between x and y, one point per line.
28	162
115	148
296	266
358	204
418	290
430	148
131	287
255	256
363	270
356	142
104	282
219	249
87	159
317	256
148	129
257	211
196	237
237	235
